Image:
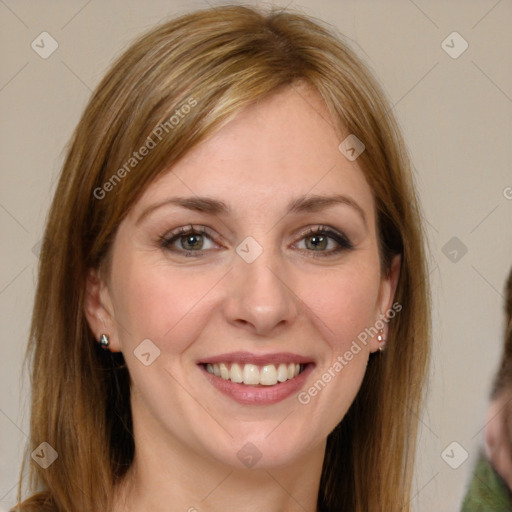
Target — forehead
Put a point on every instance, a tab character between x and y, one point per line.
279	148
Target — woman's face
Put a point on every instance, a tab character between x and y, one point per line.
286	273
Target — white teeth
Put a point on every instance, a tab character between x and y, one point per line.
282	373
224	372
268	375
252	375
235	374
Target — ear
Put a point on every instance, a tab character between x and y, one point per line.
387	291
99	310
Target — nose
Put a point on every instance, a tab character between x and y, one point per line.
260	295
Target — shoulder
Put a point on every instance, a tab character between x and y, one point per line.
487	491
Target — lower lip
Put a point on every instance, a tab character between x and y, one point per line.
259	395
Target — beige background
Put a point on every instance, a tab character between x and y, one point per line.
456	115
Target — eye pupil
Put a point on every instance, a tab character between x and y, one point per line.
320	241
192	240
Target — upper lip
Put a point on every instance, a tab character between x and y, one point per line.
256	359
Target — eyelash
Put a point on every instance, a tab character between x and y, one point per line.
343	242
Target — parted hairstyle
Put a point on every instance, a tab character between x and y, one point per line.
215	62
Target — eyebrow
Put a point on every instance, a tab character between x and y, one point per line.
302	204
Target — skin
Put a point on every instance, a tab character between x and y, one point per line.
497	438
187	434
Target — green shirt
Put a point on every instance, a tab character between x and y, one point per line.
487	491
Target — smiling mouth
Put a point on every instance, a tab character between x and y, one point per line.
255	375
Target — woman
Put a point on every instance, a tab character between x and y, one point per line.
234	238
491	486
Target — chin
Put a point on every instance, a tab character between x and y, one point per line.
260	446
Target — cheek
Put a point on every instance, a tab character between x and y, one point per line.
158	302
343	309
344	303
342	306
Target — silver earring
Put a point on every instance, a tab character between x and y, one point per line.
381	340
104	341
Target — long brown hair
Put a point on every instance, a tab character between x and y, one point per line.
223	59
